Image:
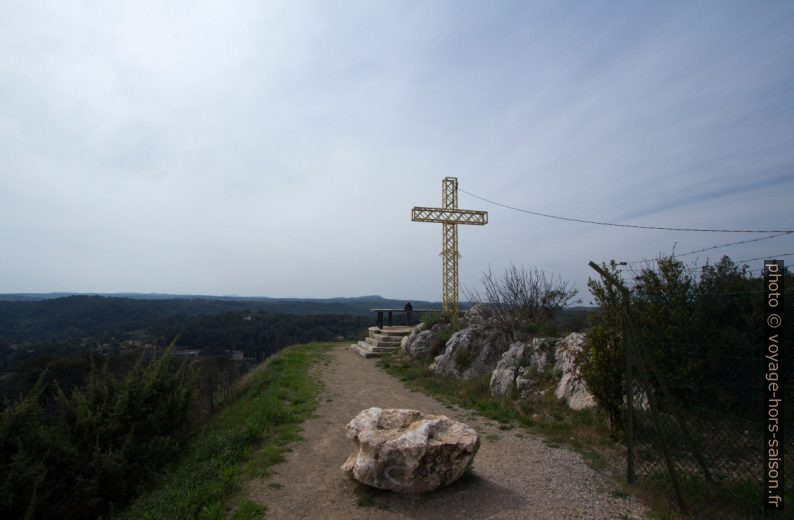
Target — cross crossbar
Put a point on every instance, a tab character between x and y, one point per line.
449	216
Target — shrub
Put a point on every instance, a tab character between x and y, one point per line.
524	302
463	357
432	318
696	325
84	453
602	363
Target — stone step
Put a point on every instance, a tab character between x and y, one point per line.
377	347
391	330
385	338
364	352
368	351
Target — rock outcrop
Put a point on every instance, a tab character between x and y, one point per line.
471	352
504	374
480	315
482	347
572	387
422	343
516	365
408	452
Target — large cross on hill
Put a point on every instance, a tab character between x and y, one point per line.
450	216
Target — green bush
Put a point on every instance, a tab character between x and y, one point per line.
696	325
602	363
431	318
84	453
464	356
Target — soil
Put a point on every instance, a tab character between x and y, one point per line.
514	476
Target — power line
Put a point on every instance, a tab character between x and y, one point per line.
718	246
735	243
765	257
636	226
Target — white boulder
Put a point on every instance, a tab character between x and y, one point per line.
406	451
470	353
572	388
517	362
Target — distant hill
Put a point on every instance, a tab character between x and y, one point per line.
48	317
380	300
57	315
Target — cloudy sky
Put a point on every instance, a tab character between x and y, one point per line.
276	148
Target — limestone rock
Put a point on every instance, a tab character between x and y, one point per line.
470	353
421	342
517	361
408	340
417	345
477	316
543	353
505	372
572	387
406	451
502	380
523	382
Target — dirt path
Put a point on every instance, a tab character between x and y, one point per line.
515	475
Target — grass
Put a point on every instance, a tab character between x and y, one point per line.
585	431
243	440
249	510
719	499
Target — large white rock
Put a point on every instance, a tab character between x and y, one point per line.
418	345
470	353
409	452
517	361
479	315
523	382
505	372
572	387
421	343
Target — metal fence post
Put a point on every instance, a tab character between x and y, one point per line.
629	381
630	477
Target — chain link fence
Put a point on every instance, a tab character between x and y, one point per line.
694	418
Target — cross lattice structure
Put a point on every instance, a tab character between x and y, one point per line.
449	216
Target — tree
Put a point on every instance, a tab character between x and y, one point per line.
602	363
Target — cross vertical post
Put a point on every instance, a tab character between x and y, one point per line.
449	216
449	251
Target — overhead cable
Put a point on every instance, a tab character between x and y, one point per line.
636	226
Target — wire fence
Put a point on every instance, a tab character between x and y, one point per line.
694	413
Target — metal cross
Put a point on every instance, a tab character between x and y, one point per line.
450	216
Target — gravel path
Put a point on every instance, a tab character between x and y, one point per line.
514	476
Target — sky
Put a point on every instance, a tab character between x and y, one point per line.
269	148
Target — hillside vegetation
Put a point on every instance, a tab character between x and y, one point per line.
103	317
244	440
86	453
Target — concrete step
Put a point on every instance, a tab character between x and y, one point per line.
391	330
377	343
368	352
377	347
364	352
385	338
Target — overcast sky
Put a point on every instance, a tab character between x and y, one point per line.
277	148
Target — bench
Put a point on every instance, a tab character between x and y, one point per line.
389	313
